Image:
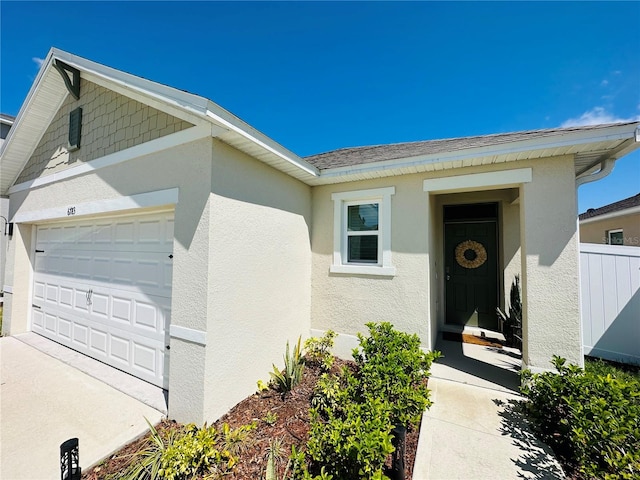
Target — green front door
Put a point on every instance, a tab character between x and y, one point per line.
471	280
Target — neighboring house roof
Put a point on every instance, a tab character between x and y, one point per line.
621	207
6	119
594	147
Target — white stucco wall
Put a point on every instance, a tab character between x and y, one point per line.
345	302
259	274
549	246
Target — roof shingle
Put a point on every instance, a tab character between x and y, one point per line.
344	157
612	207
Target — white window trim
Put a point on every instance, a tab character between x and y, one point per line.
615	230
382	196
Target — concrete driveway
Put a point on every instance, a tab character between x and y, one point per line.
44	402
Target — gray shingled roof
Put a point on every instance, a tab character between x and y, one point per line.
379	153
612	207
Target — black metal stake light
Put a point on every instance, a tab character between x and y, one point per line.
70	460
397	460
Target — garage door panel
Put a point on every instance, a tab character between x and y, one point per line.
82	267
146	316
50	323
100	305
98	341
66	297
104	288
37	319
150	232
38	290
52	294
80	338
142	233
65	328
145	358
121	309
102	234
120	348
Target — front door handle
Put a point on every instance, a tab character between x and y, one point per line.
448	277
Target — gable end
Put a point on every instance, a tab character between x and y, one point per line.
110	122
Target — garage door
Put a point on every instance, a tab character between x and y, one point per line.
103	287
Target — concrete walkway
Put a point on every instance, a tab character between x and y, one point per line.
474	430
44	402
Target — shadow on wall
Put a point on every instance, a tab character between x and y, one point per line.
621	341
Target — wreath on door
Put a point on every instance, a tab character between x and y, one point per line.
471	254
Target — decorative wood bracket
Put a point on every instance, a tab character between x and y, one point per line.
71	77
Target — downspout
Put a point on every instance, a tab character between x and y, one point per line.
606	167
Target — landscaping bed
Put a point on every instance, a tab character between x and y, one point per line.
274	420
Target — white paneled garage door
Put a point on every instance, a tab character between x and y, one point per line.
103	288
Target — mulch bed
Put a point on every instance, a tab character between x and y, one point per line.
466	338
291	428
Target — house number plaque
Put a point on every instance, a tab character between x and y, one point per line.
71	211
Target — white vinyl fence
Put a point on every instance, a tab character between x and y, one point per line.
610	287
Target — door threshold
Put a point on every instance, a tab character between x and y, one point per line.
477	331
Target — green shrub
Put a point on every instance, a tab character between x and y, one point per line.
601	367
196	451
590	419
188	451
353	413
318	350
352	442
270	418
512	323
330	392
145	463
391	365
285	380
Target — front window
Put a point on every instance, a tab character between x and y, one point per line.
362	232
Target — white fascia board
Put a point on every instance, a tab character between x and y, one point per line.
6	150
227	120
607	216
608	133
179	98
28	100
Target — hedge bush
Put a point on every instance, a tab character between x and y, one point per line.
590	419
354	412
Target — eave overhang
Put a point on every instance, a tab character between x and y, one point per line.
590	148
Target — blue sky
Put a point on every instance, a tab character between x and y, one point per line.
320	76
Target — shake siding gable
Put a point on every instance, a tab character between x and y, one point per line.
110	123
